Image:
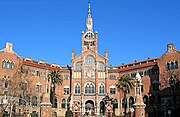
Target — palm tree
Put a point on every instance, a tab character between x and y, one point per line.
55	79
125	84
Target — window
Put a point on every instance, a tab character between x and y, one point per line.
12	66
155	71
66	90
112	90
4	64
63	103
140	73
112	77
115	103
77	89
124	103
142	88
155	85
167	66
55	103
147	72
133	75
37	73
34	101
27	98
89	60
101	66
38	88
89	88
8	64
78	66
101	89
66	77
131	102
172	65
176	65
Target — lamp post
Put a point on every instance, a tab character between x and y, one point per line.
69	98
4	105
172	82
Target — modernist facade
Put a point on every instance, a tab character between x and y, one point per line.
92	80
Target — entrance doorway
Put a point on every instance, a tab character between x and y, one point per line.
102	108
89	107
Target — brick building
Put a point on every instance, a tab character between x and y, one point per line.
93	79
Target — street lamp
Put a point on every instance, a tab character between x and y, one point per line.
172	82
4	104
69	98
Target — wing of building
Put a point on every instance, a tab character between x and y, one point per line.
91	81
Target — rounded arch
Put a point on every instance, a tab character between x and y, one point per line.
131	102
89	35
176	64
102	107
145	100
63	103
89	107
34	101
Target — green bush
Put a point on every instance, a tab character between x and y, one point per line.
68	113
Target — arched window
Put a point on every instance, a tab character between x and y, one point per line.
34	101
101	89
12	65
112	90
78	66
27	98
124	103
89	59
55	102
77	89
167	66
145	100
8	64
66	90
89	88
101	66
4	64
176	65
115	103
172	65
131	102
63	103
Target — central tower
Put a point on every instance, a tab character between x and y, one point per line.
89	38
89	72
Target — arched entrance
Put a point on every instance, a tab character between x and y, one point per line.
102	108
89	107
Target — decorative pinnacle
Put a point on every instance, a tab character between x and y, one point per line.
89	9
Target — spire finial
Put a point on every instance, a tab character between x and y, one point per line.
89	9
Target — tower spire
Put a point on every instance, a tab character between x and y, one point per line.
89	9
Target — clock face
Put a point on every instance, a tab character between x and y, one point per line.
89	73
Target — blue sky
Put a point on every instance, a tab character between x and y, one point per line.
129	29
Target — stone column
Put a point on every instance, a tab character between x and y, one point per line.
109	109
139	106
46	106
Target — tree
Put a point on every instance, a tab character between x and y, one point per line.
125	84
14	86
55	79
